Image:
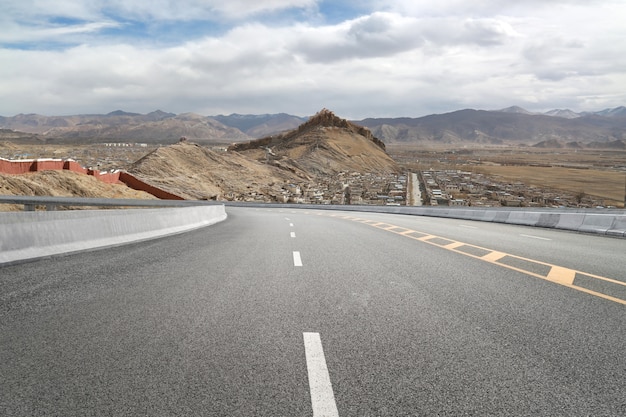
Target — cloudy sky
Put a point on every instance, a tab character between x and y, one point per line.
369	58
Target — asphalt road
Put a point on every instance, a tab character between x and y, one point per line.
283	312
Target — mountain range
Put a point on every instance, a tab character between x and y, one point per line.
513	125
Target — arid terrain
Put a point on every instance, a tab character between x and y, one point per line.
330	160
318	162
585	178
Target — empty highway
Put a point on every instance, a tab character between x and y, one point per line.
279	312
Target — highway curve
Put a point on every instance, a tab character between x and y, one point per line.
280	312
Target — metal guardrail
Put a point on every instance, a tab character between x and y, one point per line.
52	203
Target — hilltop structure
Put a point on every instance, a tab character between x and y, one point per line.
325	160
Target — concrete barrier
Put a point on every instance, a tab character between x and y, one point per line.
606	222
618	228
595	223
31	235
523	218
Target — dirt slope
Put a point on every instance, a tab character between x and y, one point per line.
63	184
195	172
276	168
266	168
325	145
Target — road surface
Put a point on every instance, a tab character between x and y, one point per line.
300	313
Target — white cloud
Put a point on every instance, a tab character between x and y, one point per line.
59	33
379	34
404	58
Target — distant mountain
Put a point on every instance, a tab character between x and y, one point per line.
122	113
511	125
515	109
614	144
158	115
615	112
261	125
558	144
154	127
566	113
569	114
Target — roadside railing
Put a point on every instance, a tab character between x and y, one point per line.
598	221
53	203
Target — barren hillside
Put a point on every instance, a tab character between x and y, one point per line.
195	172
63	184
268	169
308	160
325	145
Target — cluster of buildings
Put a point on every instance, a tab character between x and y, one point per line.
462	188
345	188
449	187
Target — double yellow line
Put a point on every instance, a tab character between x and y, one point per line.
596	285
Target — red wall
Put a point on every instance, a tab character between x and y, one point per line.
74	166
46	165
30	165
137	184
15	167
110	177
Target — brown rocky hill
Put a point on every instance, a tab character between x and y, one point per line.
267	169
286	167
323	146
195	172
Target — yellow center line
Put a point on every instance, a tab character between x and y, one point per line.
557	274
453	245
562	275
391	228
379	225
493	257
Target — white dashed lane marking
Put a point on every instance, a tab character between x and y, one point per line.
293	234
322	396
297	261
535	237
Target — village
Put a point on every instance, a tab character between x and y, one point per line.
344	189
464	188
433	187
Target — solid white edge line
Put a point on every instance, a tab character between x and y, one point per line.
322	396
297	260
